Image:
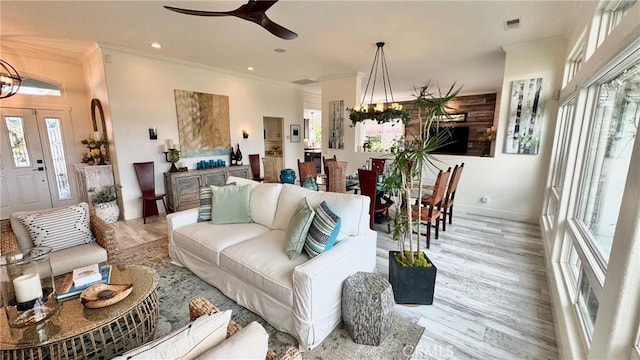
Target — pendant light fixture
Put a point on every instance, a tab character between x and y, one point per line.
381	112
9	80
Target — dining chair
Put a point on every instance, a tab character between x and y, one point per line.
305	169
432	211
369	187
145	172
272	167
254	162
337	176
450	194
325	161
377	164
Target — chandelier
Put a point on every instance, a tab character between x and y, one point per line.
9	80
380	112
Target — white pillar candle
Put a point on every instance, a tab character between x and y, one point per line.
166	148
170	143
27	287
96	135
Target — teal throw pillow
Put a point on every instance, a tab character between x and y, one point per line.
323	231
298	228
231	204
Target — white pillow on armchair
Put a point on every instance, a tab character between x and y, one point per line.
250	342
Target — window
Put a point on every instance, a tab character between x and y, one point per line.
608	153
380	137
54	132
31	86
587	305
610	16
575	61
559	169
18	141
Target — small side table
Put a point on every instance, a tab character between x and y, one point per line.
367	307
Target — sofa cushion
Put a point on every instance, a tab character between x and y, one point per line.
208	240
188	342
298	228
352	209
58	228
64	261
323	231
264	201
250	342
262	262
231	204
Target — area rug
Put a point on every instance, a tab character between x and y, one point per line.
177	286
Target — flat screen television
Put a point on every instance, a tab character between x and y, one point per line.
457	140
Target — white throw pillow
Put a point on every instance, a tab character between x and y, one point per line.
187	342
250	342
59	228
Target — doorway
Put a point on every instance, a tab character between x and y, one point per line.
33	160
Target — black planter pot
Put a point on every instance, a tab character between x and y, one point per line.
411	285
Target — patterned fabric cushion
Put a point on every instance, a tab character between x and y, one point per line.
59	228
323	231
206	202
298	229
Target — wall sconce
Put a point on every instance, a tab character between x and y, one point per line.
153	133
245	134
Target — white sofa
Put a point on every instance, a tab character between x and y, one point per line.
248	262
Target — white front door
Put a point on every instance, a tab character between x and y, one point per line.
33	170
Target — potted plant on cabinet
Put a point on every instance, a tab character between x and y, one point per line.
105	204
411	273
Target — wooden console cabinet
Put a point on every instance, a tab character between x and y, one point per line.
183	188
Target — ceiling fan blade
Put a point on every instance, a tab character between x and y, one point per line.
255	6
199	12
276	29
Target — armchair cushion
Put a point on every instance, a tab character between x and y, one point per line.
188	342
59	228
250	342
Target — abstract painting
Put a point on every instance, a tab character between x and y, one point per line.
525	117
336	122
203	124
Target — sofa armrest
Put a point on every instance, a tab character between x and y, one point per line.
8	240
105	237
181	218
317	285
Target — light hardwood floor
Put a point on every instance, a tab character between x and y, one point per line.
491	299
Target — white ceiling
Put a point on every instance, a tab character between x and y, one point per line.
446	41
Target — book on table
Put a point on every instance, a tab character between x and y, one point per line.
69	290
86	275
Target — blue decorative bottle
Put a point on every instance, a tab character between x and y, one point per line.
287	176
310	183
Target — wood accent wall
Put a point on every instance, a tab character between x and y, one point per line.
480	111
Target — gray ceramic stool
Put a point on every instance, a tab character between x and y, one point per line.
367	307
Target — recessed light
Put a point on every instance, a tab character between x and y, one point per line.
250	68
280	50
155	45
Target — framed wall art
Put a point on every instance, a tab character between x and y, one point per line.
525	117
294	133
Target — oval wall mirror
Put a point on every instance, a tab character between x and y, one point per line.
99	124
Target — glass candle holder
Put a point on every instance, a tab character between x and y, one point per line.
27	285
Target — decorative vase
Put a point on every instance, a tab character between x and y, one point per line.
287	176
28	288
109	212
310	183
412	285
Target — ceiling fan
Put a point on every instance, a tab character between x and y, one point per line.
253	11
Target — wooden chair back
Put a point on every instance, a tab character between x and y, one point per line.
377	164
325	161
272	167
337	176
254	162
453	183
305	169
439	189
145	173
368	185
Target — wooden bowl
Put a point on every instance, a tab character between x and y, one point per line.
101	295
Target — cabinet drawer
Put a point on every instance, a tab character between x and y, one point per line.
218	179
187	190
241	173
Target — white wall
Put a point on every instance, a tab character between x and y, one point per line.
141	95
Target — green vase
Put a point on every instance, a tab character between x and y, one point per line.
310	183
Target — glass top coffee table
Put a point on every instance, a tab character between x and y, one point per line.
77	332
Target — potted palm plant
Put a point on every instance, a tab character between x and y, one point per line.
105	202
411	273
